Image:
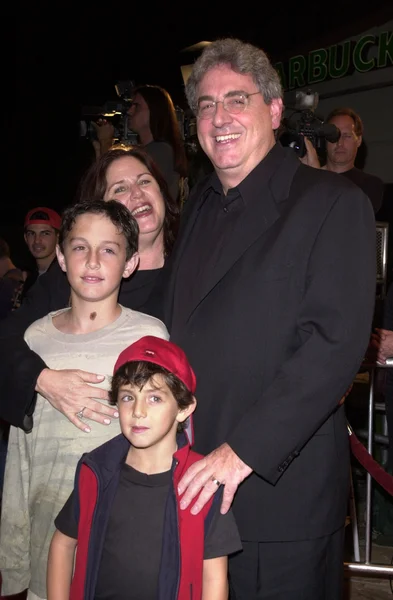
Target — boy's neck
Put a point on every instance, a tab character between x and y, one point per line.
87	317
152	460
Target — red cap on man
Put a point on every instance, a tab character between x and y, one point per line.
163	353
54	219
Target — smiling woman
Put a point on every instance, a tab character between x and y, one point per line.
131	177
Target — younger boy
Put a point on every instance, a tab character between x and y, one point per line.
97	247
132	541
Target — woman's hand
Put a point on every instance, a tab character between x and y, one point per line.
69	392
105	132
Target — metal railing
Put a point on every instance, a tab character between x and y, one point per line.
367	566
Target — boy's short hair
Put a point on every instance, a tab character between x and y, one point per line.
138	373
118	214
151	356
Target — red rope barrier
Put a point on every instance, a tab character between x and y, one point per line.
367	461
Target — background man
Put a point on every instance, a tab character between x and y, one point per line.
42	227
341	155
271	295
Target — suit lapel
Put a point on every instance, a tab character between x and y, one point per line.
260	213
250	226
263	198
192	209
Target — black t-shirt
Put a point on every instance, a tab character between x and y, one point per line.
131	554
371	185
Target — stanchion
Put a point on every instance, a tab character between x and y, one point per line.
368	476
367	566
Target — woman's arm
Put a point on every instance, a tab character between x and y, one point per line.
23	372
60	566
215	579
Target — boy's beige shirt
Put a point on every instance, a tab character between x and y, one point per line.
40	467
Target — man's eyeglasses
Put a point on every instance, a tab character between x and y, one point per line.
234	103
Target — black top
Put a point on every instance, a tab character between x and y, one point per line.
371	185
130	561
29	282
163	156
20	367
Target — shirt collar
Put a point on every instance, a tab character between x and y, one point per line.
262	172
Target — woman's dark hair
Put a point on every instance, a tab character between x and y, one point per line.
118	214
164	125
93	185
138	373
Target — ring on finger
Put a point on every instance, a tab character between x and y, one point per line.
80	413
214	480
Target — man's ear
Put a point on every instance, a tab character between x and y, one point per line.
359	141
131	265
61	259
276	108
184	413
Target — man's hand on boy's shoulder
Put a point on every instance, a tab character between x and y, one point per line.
68	391
221	467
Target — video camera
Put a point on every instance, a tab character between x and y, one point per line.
188	131
112	110
304	122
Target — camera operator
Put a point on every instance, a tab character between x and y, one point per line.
341	155
152	117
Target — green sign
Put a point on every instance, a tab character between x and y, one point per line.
338	61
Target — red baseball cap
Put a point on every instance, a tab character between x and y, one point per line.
163	353
54	219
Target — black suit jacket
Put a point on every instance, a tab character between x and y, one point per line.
276	337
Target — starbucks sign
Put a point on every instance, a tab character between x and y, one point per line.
367	53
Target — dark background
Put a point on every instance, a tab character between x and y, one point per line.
59	57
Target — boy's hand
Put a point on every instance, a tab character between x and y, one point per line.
69	392
222	466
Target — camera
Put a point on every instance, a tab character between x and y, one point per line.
303	122
187	124
114	111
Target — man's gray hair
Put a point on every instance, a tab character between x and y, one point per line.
243	58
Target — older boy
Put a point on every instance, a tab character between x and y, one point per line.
123	515
97	248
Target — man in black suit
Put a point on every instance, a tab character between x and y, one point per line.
271	294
